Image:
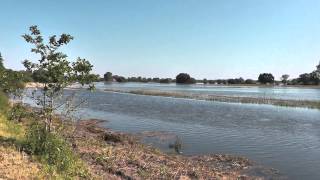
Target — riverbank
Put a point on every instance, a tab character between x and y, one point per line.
118	155
220	98
113	155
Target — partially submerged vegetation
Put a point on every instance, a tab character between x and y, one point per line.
220	98
40	145
26	154
114	155
88	151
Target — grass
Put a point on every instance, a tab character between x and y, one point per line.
98	153
126	158
14	163
23	156
232	99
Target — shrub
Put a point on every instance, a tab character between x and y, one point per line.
108	77
250	81
184	78
53	151
3	102
17	112
266	78
166	80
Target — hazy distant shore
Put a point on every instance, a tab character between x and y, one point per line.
39	85
221	98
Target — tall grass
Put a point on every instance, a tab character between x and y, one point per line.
232	99
3	103
52	151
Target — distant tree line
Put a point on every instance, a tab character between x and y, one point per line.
109	77
312	78
11	82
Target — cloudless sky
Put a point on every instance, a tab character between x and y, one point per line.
160	38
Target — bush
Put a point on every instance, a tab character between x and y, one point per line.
3	102
266	78
53	151
17	112
166	80
184	78
108	77
250	81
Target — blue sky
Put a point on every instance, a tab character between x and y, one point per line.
160	38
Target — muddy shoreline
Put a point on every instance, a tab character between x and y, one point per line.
116	155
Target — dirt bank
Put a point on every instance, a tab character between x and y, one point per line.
113	155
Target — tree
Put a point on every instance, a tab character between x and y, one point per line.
11	82
304	78
108	77
156	79
120	79
165	80
184	78
284	78
205	81
249	81
266	78
315	78
1	62
54	70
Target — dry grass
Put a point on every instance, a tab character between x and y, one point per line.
16	165
13	163
232	99
118	156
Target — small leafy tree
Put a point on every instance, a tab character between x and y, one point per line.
284	78
266	78
184	78
108	77
54	70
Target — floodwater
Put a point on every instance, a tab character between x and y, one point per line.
287	139
294	93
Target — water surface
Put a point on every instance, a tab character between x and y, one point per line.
296	93
287	139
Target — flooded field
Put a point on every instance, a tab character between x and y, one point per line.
287	139
295	93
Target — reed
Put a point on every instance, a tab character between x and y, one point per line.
232	99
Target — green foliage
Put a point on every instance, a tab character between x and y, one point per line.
250	81
53	151
3	103
54	70
236	81
205	81
266	78
309	78
120	79
1	62
108	77
284	78
184	78
10	81
165	80
312	78
18	112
